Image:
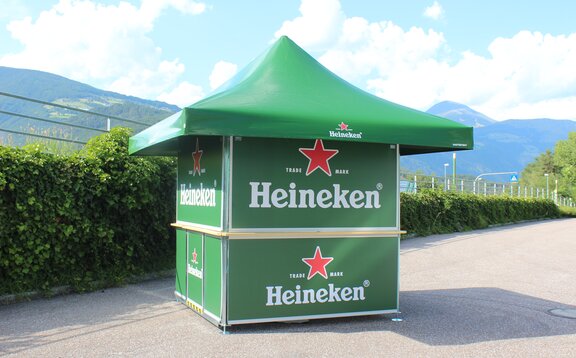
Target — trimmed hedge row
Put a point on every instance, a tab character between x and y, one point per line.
437	212
96	216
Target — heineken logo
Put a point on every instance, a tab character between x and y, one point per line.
279	296
317	264
192	269
264	195
197	196
194	257
201	196
197	155
318	157
195	271
344	131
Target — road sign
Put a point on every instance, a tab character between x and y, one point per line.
514	178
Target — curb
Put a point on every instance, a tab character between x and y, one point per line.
414	235
65	290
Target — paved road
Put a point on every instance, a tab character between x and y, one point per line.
479	294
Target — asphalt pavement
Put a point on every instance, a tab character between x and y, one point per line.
485	293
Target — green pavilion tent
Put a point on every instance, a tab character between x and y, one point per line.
286	93
287	179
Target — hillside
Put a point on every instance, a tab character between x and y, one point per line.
499	146
461	114
57	89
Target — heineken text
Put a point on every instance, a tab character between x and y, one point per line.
279	297
197	197
263	196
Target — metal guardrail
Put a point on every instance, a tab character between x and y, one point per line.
71	108
43	136
411	183
52	121
71	125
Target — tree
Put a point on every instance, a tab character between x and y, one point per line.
533	173
565	160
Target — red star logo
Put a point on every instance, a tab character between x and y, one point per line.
317	264
196	156
194	257
318	157
343	126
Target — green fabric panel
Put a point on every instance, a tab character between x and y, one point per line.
262	271
195	267
212	275
286	93
181	262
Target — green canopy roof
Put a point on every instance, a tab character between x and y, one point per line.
286	93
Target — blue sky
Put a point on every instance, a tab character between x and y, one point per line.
505	59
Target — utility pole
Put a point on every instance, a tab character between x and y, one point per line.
547	188
445	178
454	169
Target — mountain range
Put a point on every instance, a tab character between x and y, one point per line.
499	145
48	87
461	114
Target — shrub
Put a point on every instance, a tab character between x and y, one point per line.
97	215
436	212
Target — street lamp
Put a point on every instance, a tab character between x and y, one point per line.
556	192
445	178
547	193
454	170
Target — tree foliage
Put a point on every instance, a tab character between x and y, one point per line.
534	173
565	160
560	165
96	216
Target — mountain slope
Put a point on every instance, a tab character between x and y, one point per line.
461	114
50	87
499	146
57	89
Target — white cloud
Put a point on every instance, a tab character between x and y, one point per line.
105	45
183	95
555	108
380	49
221	73
528	75
147	82
318	25
154	7
533	76
434	11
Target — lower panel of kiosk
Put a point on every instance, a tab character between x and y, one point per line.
295	279
199	273
289	279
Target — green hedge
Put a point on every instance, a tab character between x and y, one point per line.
96	216
436	212
568	212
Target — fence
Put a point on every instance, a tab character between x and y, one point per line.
105	121
411	183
